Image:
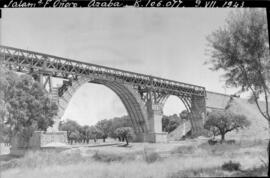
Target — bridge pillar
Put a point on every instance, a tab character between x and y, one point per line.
155	114
198	112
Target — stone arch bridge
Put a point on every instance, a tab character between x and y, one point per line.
142	95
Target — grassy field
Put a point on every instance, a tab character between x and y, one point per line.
177	159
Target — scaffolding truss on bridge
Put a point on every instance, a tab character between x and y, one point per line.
49	65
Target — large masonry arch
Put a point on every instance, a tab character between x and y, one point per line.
131	100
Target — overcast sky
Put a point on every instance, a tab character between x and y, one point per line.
169	43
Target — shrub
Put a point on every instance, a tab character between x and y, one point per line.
8	165
254	172
184	150
206	172
33	159
212	142
150	156
231	166
106	157
219	149
230	142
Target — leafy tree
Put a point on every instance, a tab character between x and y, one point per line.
4	129
78	133
71	127
222	122
74	136
125	133
118	122
184	115
169	123
25	105
86	133
96	133
105	127
241	50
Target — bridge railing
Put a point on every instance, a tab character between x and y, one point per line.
62	67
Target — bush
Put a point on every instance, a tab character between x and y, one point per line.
8	165
219	149
184	150
33	159
106	157
205	172
230	142
254	172
212	142
110	157
151	156
231	166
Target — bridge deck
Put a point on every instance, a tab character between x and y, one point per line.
65	68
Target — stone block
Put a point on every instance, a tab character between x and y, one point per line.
39	140
160	137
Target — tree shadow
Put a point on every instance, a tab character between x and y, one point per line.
124	145
8	157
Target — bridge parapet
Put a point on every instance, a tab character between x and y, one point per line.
216	100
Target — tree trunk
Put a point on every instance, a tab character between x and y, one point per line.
222	137
184	129
104	139
268	147
127	140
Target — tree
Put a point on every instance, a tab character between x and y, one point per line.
86	133
184	115
169	123
95	133
118	122
125	133
27	106
105	127
71	127
4	129
241	50
222	122
74	136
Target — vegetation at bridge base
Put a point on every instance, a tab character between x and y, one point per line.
107	127
241	50
231	166
103	129
170	123
222	122
125	134
25	106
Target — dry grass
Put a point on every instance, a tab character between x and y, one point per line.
134	162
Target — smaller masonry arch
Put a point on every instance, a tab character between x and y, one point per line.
187	102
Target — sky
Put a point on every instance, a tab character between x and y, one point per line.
169	43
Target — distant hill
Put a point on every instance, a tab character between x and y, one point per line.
258	128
